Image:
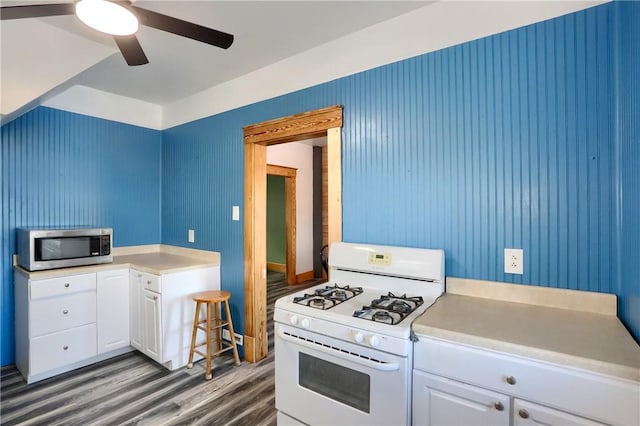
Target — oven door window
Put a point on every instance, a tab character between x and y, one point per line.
334	381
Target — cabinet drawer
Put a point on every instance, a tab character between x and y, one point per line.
62	285
62	348
151	282
61	313
592	395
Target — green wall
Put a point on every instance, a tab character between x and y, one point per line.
276	247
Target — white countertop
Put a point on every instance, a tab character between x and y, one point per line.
155	259
162	263
592	341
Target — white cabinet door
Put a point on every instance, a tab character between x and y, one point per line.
440	401
113	310
135	309
526	413
152	325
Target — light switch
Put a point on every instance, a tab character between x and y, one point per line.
236	213
192	236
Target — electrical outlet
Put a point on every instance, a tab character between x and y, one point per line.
239	337
192	236
513	261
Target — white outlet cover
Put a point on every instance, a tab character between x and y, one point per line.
235	215
192	236
513	261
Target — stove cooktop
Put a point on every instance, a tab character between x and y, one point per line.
387	309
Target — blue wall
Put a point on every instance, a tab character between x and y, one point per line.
628	160
526	139
59	169
506	141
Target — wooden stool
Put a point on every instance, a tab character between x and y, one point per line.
212	298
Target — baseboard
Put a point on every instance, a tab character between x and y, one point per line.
305	276
278	267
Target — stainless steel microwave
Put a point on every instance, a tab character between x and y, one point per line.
40	249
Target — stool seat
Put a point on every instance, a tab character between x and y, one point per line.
212	298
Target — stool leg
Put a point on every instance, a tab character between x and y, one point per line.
193	335
231	333
208	374
218	320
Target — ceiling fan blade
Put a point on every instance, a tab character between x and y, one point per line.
183	28
131	50
37	10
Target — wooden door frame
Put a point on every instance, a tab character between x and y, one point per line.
321	122
289	175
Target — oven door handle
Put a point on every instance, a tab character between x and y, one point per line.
387	366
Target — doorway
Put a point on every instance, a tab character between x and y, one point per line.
322	122
288	174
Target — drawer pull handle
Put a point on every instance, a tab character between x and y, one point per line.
65	347
498	406
523	413
155	297
511	380
148	282
66	285
66	311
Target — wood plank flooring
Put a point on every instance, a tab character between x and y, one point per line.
133	390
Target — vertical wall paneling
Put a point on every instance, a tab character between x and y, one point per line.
64	169
501	142
508	141
628	157
202	178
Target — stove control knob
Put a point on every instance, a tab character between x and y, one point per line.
373	341
358	337
304	323
293	320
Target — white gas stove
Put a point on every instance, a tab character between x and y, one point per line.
344	348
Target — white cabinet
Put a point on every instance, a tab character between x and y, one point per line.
55	323
441	401
459	384
69	321
113	309
162	310
152	323
60	349
146	314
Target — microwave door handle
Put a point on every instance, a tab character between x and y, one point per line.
391	366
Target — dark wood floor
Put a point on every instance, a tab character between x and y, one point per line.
133	390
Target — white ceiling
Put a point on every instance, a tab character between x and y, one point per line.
58	61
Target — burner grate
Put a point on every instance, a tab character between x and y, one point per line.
389	309
328	297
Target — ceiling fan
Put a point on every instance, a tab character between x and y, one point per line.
121	19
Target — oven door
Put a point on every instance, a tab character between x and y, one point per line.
321	380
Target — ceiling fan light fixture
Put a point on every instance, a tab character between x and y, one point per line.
107	17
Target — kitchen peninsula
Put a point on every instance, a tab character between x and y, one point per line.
72	317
